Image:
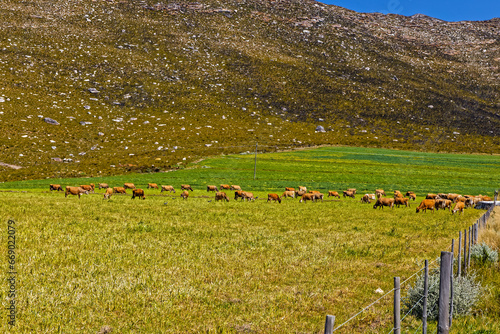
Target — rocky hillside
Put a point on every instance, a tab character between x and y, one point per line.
91	87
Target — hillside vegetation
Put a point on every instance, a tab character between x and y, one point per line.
167	265
147	86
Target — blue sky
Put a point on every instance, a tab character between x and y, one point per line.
448	10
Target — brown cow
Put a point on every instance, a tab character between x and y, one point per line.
333	194
302	188
221	196
459	207
348	193
318	196
408	193
427	204
442	196
287	194
289	189
129	186
138	193
299	193
308	197
431	196
108	193
225	187
273	197
443	204
313	191
486	198
87	187
353	190
56	187
167	188
245	195
212	188
152	186
401	201
75	191
413	197
379	191
235	187
238	194
185	194
103	186
365	199
119	190
186	187
453	197
397	193
384	201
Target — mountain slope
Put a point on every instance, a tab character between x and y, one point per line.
141	85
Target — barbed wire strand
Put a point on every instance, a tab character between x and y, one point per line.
364	309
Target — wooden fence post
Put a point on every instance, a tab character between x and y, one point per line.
459	259
468	251
426	294
451	279
444	293
397	306
465	252
329	323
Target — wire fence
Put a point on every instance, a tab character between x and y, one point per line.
472	233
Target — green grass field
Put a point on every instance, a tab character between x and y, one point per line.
167	265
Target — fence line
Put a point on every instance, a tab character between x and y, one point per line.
473	239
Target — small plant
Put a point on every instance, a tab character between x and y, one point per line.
483	254
466	293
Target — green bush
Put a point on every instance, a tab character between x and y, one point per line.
483	254
466	291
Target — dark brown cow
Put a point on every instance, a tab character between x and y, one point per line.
225	187
299	193
408	193
103	186
431	196
401	201
88	187
238	194
152	186
221	196
235	187
129	186
108	193
348	193
365	199
333	194
185	194
273	197
119	190
138	193
75	191
212	188
384	201
413	197
167	188
56	187
427	204
186	187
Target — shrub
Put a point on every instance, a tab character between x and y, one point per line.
483	254
466	293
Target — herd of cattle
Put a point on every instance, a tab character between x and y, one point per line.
431	201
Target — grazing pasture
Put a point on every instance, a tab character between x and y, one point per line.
165	265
